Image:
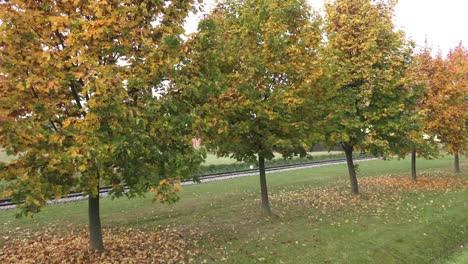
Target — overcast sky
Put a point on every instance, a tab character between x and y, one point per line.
443	22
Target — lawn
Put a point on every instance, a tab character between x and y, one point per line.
459	258
316	219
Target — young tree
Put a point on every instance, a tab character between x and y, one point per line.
415	138
82	101
447	107
457	140
249	66
366	62
417	143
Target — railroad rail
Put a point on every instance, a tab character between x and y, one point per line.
7	203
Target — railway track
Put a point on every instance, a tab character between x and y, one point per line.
7	203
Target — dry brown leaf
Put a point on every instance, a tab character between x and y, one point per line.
158	245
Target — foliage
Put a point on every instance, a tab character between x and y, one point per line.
248	64
447	105
83	99
78	97
417	137
249	68
365	72
366	62
421	138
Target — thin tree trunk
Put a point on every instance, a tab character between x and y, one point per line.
413	165
95	232
263	186
457	163
351	170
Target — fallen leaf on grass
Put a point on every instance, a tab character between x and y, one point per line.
159	245
426	183
375	193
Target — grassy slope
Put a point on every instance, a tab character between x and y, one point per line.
228	210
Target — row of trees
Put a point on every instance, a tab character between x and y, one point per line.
107	92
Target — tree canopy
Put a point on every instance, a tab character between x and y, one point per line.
251	64
365	62
446	104
83	100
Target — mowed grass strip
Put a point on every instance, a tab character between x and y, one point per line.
386	223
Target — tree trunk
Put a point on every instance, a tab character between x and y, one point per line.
352	171
95	232
263	186
413	165
457	163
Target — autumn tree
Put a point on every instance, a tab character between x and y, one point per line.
83	101
366	61
248	67
414	137
447	107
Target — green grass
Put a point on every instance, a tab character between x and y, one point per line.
3	158
428	226
212	159
459	257
215	164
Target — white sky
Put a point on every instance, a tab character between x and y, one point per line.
443	22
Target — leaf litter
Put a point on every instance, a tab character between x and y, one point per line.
375	193
172	245
150	245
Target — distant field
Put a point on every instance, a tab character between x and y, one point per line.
4	157
212	159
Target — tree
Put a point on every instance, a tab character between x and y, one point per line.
416	138
447	107
249	67
83	103
366	63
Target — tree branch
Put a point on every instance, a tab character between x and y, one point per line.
76	96
37	96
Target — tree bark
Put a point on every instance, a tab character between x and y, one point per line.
413	165
351	170
457	163
263	186
95	233
94	218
